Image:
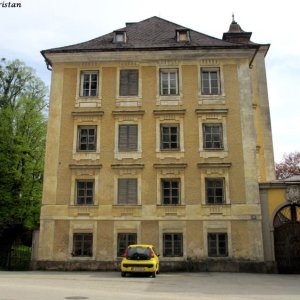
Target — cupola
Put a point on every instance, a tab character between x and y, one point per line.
236	34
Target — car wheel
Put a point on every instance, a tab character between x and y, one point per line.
123	274
154	274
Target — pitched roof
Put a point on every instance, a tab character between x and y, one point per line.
151	34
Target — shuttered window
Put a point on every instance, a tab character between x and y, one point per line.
129	82
127	191
128	138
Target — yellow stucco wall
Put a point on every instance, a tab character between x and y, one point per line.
150	220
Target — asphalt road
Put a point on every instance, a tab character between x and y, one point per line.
110	286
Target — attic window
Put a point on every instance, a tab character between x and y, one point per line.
120	37
183	35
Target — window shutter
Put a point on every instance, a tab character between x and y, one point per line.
129	82
123	82
127	191
132	137
128	135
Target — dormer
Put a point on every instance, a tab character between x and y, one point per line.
120	36
182	35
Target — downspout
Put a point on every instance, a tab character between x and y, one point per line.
253	57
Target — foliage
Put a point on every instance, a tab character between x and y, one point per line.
289	166
22	144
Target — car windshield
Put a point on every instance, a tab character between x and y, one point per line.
138	253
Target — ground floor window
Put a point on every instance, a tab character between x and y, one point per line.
124	240
172	244
217	244
82	244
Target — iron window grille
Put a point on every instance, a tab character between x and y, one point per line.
173	244
217	244
124	240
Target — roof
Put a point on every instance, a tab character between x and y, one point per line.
151	34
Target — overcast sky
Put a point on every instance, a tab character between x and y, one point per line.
44	24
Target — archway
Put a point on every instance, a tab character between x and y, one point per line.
287	238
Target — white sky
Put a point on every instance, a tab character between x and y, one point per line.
44	24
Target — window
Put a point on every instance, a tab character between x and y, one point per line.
169	137
215	193
87	138
168	82
128	138
217	244
82	244
85	192
213	136
210	81
124	240
88	84
173	245
170	191
129	83
183	35
127	191
120	37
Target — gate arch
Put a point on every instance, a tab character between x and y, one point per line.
286	226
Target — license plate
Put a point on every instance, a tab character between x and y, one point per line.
138	269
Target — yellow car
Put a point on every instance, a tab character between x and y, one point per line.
140	259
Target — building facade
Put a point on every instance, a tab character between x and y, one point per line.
157	134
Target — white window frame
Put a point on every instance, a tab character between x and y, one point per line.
88	101
169	71
210	71
211	99
169	100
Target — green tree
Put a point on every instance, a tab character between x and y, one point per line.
289	166
23	125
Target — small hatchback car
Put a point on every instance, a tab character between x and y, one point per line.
140	259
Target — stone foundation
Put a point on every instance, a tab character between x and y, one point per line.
170	266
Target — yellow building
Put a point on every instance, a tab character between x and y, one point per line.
157	134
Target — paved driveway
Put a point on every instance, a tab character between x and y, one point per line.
110	286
